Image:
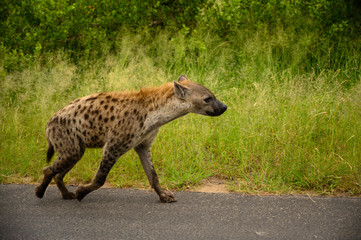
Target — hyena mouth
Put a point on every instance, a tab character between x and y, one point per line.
217	111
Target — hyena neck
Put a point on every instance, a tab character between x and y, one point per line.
166	110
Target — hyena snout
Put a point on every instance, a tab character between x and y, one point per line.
218	108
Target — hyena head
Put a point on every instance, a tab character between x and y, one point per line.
201	100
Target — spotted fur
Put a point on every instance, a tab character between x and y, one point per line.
118	122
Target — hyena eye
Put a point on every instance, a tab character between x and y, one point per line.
208	99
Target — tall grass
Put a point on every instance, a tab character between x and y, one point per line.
286	129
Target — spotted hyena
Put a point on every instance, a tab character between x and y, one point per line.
118	122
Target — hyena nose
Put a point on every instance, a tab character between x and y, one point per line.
222	109
218	111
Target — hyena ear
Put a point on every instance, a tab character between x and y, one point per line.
180	91
182	78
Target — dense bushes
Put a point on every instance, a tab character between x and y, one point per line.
84	28
89	30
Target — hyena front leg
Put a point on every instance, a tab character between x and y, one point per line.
110	156
143	151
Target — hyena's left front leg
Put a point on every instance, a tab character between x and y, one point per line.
143	151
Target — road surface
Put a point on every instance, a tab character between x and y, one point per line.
138	214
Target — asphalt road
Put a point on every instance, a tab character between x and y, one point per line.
138	214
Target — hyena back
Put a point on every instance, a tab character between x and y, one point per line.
118	122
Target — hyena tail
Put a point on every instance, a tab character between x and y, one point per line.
50	152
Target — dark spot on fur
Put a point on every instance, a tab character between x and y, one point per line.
74	121
95	112
86	116
114	100
79	106
100	117
91	98
125	114
105	120
111	108
141	125
108	97
83	109
100	128
105	107
67	131
101	102
75	113
55	119
112	118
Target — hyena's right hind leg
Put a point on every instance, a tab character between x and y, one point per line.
57	170
48	175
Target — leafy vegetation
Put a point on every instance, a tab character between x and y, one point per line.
289	72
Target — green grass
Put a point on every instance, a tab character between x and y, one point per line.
286	129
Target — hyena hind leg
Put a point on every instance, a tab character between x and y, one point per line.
63	166
48	175
65	193
57	171
111	155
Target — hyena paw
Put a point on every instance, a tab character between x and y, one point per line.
167	197
39	192
68	195
81	192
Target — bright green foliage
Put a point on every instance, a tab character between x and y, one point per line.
83	28
89	30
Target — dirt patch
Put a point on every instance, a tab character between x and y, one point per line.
212	185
